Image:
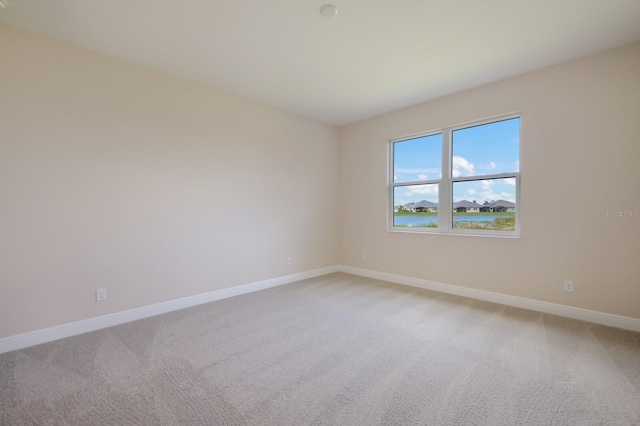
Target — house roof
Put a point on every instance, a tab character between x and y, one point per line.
466	204
424	204
374	57
501	203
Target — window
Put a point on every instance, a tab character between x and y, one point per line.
473	169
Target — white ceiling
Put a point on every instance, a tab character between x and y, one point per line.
375	56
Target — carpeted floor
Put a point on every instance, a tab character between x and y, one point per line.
333	350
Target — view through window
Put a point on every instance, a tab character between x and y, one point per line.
473	169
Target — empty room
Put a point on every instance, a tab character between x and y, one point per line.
292	213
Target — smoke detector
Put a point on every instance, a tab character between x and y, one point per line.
328	11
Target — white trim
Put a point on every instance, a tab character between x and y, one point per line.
447	181
603	318
20	341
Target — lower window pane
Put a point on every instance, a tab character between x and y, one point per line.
415	206
485	205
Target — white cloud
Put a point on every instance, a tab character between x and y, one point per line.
509	196
401	174
486	184
414	171
483	190
491	166
462	167
517	166
510	181
487	191
489	195
421	190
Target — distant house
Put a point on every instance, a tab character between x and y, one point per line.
466	206
409	207
425	206
499	206
421	206
503	206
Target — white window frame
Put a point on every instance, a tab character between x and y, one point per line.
445	184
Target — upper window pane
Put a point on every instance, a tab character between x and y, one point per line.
486	149
418	159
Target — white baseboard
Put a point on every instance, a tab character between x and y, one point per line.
611	320
20	341
79	327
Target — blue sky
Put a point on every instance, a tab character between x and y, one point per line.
480	150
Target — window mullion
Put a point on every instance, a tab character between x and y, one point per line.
444	191
417	182
485	177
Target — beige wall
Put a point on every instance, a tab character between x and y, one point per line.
580	147
115	176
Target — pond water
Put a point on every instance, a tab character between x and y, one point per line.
426	220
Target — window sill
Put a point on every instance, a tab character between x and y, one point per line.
457	234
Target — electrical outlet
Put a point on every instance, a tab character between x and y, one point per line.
101	295
289	261
568	286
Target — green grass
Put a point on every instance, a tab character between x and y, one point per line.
430	225
415	214
507	214
503	214
499	224
504	222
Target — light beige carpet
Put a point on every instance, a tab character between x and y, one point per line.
333	350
